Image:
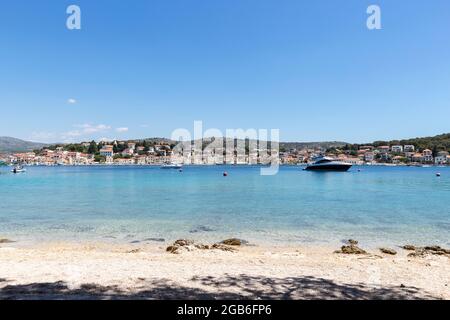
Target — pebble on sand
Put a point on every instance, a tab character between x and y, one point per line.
233	242
409	247
428	250
189	245
351	249
388	251
6	241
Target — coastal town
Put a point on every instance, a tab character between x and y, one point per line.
157	152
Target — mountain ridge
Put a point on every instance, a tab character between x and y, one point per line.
10	144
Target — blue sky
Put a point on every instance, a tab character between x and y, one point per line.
143	68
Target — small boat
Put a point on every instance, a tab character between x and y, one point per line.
171	166
322	163
18	169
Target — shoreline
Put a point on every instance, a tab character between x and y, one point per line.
374	164
100	270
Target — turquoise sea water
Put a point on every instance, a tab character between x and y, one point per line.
377	205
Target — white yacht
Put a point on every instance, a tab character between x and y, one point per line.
18	169
323	163
172	166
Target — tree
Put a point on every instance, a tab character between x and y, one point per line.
435	151
99	158
92	147
146	146
74	148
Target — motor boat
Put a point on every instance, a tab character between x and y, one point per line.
322	163
18	169
171	166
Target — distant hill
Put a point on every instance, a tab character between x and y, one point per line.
286	146
436	143
311	145
156	140
8	144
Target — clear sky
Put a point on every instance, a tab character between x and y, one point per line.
143	68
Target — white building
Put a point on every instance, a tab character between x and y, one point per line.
441	158
397	149
383	149
128	152
409	148
427	155
417	157
107	151
409	155
369	156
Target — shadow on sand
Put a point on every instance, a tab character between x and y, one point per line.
227	287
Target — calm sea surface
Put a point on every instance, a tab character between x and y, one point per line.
377	205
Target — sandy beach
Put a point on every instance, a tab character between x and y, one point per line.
110	271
